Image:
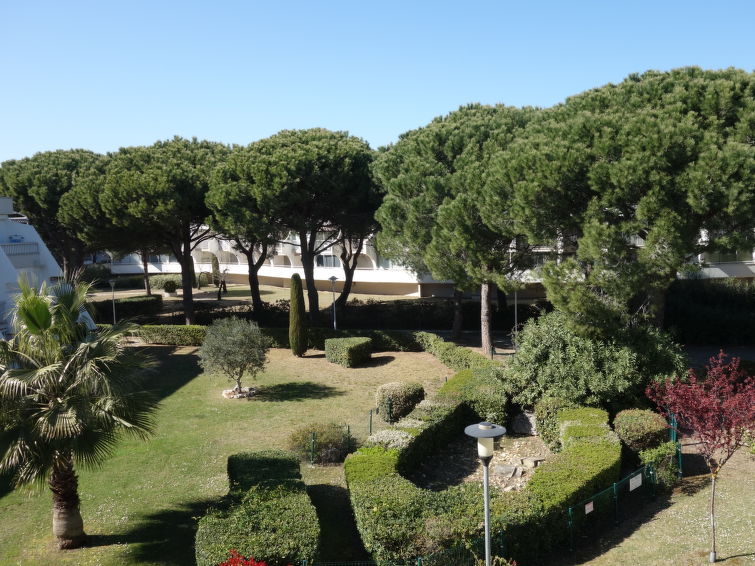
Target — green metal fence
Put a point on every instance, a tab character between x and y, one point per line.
611	505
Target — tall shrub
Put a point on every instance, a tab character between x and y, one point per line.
297	331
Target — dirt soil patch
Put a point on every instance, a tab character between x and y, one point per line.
512	465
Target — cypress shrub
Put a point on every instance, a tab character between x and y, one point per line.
215	271
297	332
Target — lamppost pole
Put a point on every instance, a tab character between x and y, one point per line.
333	280
485	433
112	288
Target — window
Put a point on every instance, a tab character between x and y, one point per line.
327	261
384	263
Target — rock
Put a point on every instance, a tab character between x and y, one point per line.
509	488
505	471
524	423
245	393
518	472
532	462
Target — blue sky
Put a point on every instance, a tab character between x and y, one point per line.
101	75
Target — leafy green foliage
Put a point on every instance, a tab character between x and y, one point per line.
348	352
664	460
127	307
451	355
322	443
554	361
659	157
640	429
397	399
234	348
481	390
190	335
170	286
297	330
267	513
546	420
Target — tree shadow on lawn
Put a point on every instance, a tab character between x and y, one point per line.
172	371
296	391
163	537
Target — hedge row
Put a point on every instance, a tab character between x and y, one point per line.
128	307
451	355
267	513
348	352
399	521
482	390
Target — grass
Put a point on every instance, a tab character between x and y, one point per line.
675	531
141	507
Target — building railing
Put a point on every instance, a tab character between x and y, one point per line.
24	248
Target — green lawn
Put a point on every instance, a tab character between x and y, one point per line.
141	507
675	531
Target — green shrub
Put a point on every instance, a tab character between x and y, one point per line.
451	355
348	352
389	439
297	326
189	335
97	273
382	340
267	513
481	389
128	307
369	463
322	443
546	420
160	281
640	429
397	399
664	460
170	287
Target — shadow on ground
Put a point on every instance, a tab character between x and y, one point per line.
172	371
297	391
377	361
339	539
164	537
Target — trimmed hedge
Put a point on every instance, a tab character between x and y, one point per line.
128	307
640	429
189	335
480	389
399	521
396	399
546	413
266	514
348	352
451	355
664	460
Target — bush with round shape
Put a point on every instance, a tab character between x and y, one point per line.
322	443
396	399
170	286
640	429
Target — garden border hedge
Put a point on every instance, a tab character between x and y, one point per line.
348	352
400	521
267	513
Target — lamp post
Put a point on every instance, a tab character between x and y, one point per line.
333	280
112	288
485	433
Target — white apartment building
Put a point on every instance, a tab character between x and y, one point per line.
22	254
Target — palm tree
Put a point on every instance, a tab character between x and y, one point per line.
67	390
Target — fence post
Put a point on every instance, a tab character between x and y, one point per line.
370	422
571	530
312	449
679	459
419	561
651	473
615	504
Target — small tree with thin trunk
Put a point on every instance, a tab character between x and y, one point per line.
719	407
297	330
235	348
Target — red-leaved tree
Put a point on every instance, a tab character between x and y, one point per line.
719	407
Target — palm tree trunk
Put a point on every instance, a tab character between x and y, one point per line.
67	524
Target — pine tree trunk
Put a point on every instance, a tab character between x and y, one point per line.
349	263
145	266
485	334
254	282
187	273
458	315
308	264
713	517
67	524
657	299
